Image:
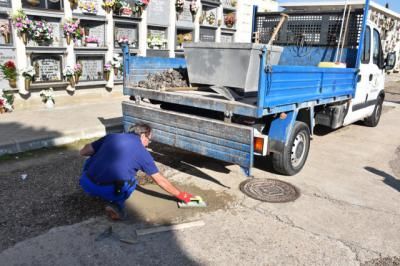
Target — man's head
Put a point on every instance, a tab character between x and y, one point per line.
143	131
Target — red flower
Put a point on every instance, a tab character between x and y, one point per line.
1	102
10	64
146	2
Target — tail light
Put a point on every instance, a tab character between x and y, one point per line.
258	145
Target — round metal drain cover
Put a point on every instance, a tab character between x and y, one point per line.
269	190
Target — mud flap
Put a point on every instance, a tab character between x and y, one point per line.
279	132
213	138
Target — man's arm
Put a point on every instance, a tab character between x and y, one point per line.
87	150
165	184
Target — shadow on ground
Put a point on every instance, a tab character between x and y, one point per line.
188	162
389	180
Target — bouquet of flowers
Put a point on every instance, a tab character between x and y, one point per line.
90	39
21	22
193	7
47	95
123	40
42	31
28	73
107	67
77	69
125	9
211	18
184	37
89	7
116	63
230	20
156	41
6	102
108	4
140	5
68	71
179	4
71	28
9	70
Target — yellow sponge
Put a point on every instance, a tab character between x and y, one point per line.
332	64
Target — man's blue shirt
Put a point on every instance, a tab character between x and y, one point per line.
119	157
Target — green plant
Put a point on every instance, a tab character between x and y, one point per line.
9	70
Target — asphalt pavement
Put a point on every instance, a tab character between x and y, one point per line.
347	213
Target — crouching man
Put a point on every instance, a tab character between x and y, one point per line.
110	171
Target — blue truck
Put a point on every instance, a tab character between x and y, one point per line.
254	99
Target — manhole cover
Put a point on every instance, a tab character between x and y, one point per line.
269	190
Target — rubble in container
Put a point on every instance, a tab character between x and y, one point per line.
167	79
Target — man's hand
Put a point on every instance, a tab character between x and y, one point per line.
184	196
87	150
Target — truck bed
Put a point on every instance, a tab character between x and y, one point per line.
285	88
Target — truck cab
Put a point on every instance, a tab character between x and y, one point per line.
369	96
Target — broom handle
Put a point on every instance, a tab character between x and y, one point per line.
276	30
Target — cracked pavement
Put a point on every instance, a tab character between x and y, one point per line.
347	214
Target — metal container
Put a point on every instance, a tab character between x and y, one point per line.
233	65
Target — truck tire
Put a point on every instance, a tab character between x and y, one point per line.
294	155
373	120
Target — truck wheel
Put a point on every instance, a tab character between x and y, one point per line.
294	155
373	120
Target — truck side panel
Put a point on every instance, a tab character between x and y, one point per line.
296	84
212	138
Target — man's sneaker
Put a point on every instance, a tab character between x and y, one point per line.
114	212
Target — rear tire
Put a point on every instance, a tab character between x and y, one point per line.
373	120
295	153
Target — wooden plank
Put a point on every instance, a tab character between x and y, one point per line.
159	229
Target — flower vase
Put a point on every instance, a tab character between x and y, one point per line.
12	83
49	103
71	81
24	37
27	84
77	78
107	75
115	71
68	39
6	38
108	9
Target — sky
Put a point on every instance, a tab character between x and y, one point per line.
393	4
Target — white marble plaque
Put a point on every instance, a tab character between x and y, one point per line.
92	67
47	68
207	35
226	37
129	31
158	12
